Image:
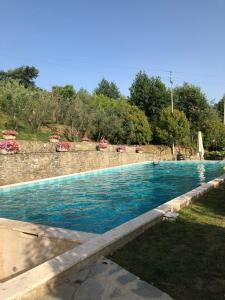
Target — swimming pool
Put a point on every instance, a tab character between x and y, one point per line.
99	201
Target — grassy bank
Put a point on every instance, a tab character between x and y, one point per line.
25	131
185	258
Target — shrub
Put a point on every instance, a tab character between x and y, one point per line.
215	155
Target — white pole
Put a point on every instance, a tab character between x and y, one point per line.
171	96
171	90
224	111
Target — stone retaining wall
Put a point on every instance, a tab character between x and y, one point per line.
21	167
38	160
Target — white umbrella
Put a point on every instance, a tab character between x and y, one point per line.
200	146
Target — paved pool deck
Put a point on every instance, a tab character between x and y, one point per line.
105	280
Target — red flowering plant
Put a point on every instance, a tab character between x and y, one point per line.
9	146
63	146
9	132
103	144
121	148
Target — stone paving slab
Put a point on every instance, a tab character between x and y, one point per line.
105	280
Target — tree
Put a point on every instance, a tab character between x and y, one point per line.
108	89
67	92
38	109
32	106
25	75
119	121
173	128
138	130
213	130
13	97
192	101
109	121
80	115
64	96
220	107
149	94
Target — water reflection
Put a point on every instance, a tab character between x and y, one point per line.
201	172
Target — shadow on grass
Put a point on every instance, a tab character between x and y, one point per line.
184	258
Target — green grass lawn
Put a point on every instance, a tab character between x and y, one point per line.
186	257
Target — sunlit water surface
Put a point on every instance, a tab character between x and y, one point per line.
101	201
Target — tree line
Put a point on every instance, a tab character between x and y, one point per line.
143	117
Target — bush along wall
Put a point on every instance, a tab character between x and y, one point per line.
215	155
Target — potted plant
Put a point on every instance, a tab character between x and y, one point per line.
9	134
54	138
85	139
139	149
102	145
63	146
9	147
121	148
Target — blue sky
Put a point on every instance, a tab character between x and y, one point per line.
80	41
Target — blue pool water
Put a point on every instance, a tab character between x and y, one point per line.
100	201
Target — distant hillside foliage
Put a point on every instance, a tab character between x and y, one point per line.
145	116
